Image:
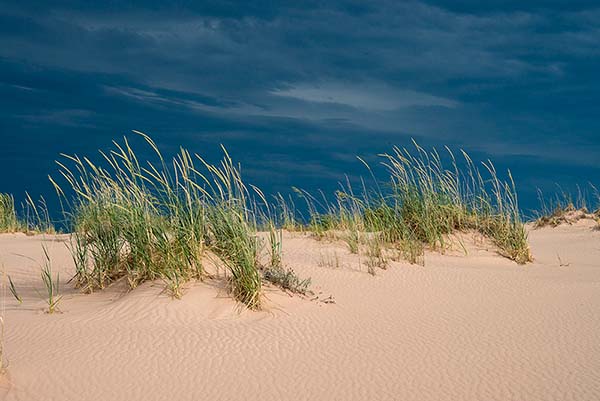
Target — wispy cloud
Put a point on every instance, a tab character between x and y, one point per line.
377	97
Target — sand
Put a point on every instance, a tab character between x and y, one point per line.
474	327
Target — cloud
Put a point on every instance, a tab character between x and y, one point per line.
377	97
67	118
310	82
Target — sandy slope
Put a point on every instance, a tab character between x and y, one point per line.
474	327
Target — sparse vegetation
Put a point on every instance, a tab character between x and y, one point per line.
426	202
287	279
8	214
33	219
563	208
51	284
375	254
329	260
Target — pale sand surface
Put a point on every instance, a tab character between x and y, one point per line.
475	327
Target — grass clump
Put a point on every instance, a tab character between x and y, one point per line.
329	260
563	208
433	201
375	254
33	219
8	215
424	203
154	221
51	284
287	279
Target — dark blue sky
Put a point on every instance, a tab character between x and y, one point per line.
296	89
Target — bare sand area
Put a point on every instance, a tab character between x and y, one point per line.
474	327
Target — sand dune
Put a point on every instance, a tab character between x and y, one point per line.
475	327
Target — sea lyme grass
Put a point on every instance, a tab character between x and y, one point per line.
8	215
425	203
141	221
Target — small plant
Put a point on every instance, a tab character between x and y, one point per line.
353	241
375	255
412	251
287	279
328	260
275	242
52	285
562	263
13	291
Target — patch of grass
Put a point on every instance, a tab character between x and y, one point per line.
329	260
426	202
375	254
33	219
352	238
145	221
8	214
287	279
563	208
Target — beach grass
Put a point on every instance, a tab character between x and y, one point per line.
33	219
141	221
138	221
424	203
8	215
565	208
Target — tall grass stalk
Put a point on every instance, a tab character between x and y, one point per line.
52	285
13	291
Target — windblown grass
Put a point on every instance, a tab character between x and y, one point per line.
144	222
8	214
34	218
424	204
287	279
564	208
51	284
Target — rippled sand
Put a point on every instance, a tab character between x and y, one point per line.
475	327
